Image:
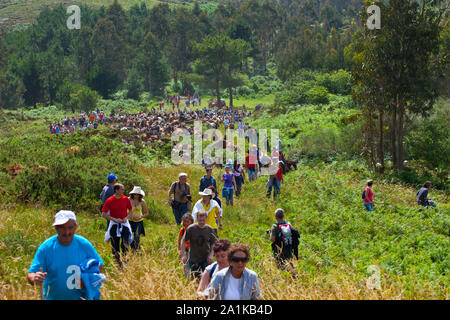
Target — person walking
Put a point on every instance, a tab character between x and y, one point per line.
201	237
275	178
251	162
108	191
119	230
368	196
139	211
229	184
285	241
235	282
207	180
187	220
181	197
220	249
58	263
212	209
239	176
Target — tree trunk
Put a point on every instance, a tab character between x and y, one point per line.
401	114
381	139
218	90
371	139
394	134
230	90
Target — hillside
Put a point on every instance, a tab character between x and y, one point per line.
350	104
18	12
339	239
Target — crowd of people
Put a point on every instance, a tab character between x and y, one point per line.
85	121
71	267
69	264
160	121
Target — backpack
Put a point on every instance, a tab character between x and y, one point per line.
289	237
285	233
364	194
211	272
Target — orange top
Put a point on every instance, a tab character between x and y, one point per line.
180	235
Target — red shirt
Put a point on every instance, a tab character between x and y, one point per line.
253	160
369	195
117	207
279	172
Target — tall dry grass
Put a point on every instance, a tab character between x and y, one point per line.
155	273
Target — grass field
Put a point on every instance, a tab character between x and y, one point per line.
339	239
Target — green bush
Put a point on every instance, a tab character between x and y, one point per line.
337	82
317	95
431	142
67	171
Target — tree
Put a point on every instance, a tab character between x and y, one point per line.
183	34
119	18
153	68
158	23
3	82
218	58
265	21
108	52
83	98
397	68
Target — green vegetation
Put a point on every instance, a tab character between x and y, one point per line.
307	68
339	239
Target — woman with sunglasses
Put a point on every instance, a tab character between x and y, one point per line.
235	282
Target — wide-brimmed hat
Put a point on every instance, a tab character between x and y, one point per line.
137	190
207	192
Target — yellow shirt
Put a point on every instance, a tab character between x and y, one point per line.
137	214
212	213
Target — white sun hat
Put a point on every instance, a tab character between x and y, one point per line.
207	192
137	190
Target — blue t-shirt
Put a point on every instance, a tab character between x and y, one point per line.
62	264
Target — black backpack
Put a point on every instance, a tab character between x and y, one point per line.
364	194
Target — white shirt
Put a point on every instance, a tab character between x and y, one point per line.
232	291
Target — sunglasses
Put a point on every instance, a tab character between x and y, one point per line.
239	259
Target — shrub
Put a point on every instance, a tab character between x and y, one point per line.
317	95
337	82
67	171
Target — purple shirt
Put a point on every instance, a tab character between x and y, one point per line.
228	178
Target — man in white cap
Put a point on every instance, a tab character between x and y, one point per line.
181	197
58	260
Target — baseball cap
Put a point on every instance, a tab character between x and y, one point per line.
182	174
63	216
111	177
